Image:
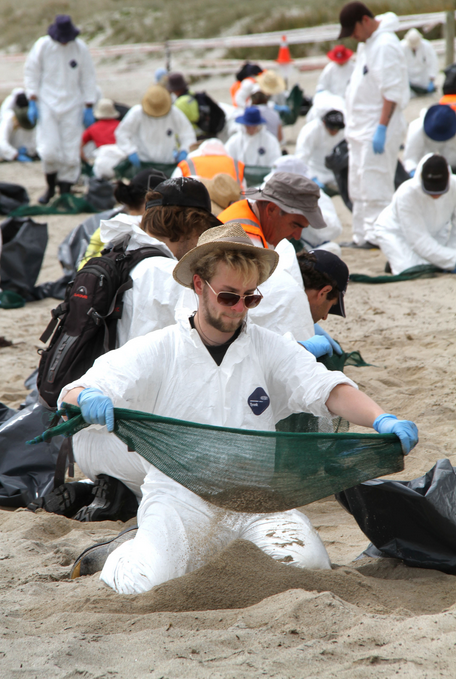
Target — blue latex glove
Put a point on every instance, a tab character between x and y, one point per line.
335	345
134	159
318	182
23	157
96	408
431	86
405	430
378	142
180	156
89	118
282	108
318	346
32	111
412	173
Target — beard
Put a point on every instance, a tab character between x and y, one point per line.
222	324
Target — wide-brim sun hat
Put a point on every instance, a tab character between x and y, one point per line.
228	237
439	123
105	109
413	38
156	102
271	82
340	54
63	30
251	117
223	190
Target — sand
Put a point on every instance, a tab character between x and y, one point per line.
243	615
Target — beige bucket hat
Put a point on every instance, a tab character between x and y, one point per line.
271	82
105	109
223	190
156	102
230	237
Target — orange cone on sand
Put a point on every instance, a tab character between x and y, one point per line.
284	56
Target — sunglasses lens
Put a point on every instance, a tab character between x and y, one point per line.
251	301
227	298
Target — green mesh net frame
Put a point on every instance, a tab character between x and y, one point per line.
254	174
126	170
420	271
250	471
66	204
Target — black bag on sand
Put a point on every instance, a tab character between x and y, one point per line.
84	326
414	521
24	245
211	116
26	472
11	197
100	194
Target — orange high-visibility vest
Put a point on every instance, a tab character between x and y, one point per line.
209	166
242	212
233	89
449	100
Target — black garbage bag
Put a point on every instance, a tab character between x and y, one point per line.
414	521
26	472
337	161
12	196
24	244
72	248
100	194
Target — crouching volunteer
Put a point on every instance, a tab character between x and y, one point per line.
208	368
419	227
176	213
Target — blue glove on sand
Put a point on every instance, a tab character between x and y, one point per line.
378	142
89	118
335	345
32	111
405	430
22	156
318	346
180	156
431	87
134	159
96	408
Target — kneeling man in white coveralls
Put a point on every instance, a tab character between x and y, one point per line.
208	368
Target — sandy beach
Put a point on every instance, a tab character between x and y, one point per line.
244	615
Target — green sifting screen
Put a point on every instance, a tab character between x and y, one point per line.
250	471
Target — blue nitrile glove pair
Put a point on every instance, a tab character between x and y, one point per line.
89	118
22	156
32	111
318	182
180	155
335	345
378	142
431	87
96	408
318	346
405	430
134	159
282	108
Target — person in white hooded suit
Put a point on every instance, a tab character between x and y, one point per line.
419	226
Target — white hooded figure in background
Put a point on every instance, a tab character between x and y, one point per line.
422	62
419	227
376	94
17	134
317	140
253	144
335	76
59	80
433	132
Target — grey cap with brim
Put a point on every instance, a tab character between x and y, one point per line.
294	194
229	236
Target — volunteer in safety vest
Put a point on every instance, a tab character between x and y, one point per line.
209	159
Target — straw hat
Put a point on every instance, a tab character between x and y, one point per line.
156	102
223	190
105	109
271	82
230	236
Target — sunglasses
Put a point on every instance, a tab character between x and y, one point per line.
231	298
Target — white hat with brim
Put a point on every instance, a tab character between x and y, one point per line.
105	110
271	82
230	236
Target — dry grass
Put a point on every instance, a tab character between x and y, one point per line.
113	22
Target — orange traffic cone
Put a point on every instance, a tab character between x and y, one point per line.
284	56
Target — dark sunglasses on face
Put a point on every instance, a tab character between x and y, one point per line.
231	298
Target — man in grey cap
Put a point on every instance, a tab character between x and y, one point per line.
270	215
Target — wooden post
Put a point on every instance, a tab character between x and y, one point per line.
449	37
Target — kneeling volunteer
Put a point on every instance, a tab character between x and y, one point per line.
204	369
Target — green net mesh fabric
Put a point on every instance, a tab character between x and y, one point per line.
66	204
126	170
251	471
420	271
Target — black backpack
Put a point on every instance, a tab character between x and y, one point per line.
83	326
211	117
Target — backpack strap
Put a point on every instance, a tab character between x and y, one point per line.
57	313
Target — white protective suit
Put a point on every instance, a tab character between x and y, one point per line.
161	373
314	143
422	63
261	149
323	102
334	77
380	73
148	306
62	77
418	229
418	145
13	137
155	140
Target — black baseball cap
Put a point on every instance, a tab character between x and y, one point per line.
330	264
184	192
435	175
350	14
334	120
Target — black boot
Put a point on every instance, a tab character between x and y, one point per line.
65	187
111	501
50	193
